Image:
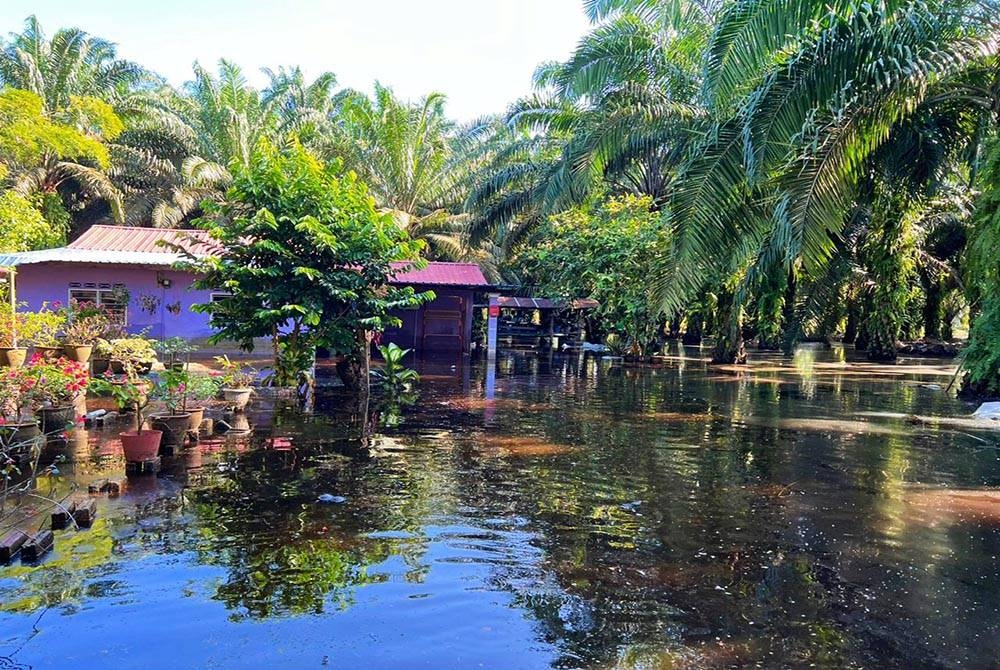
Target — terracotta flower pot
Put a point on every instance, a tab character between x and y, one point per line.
142	446
56	419
173	426
12	357
78	352
48	353
238	397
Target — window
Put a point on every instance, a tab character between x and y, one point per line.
219	296
112	297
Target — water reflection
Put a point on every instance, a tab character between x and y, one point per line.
587	515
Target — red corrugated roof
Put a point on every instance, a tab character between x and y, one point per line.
441	274
130	238
133	239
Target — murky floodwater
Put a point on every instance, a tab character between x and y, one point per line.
807	514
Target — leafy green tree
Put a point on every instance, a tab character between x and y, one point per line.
54	158
981	359
307	259
22	226
604	252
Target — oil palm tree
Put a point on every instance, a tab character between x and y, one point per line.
802	96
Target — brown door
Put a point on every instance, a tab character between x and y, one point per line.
444	324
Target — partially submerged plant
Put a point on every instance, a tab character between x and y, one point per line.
200	388
129	391
393	375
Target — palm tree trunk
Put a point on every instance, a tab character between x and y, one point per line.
729	345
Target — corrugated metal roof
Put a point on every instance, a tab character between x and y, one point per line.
70	255
149	240
127	245
441	274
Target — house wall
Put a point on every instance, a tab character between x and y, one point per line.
428	328
171	314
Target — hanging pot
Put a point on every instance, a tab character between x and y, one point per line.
12	357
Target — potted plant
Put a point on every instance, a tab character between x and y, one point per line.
131	393
15	395
175	351
137	350
171	388
11	355
41	330
199	389
85	324
237	382
55	386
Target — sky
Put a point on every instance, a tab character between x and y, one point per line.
480	53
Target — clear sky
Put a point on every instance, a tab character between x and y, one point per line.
480	53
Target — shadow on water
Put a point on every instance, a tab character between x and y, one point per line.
588	514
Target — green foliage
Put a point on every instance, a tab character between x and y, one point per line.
981	358
393	375
605	252
305	255
41	328
28	135
23	227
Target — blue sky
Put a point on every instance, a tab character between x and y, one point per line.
481	53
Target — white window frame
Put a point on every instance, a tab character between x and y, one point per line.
100	290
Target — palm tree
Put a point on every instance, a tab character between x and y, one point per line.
416	162
803	95
228	115
72	63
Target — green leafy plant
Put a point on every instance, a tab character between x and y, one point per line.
136	349
200	388
42	328
393	375
170	386
234	374
306	258
129	391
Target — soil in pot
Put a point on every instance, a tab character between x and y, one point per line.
139	447
12	357
173	426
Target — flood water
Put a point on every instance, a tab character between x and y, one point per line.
805	513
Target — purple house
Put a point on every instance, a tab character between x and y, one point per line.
128	270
